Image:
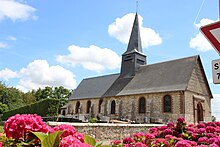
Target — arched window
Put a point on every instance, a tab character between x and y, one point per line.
88	106
167	102
199	112
77	107
100	104
113	107
142	105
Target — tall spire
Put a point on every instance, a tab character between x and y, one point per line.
135	37
133	57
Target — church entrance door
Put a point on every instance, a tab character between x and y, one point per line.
199	112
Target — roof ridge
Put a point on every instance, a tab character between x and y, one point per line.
173	60
101	76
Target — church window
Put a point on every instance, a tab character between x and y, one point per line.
167	103
113	107
88	106
77	107
142	105
100	104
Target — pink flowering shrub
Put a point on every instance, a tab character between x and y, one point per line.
30	130
177	134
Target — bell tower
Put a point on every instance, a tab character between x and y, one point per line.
134	56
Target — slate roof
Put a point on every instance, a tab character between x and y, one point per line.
93	87
161	77
167	76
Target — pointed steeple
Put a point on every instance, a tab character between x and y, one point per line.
135	37
133	57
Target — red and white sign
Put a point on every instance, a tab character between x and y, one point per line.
212	33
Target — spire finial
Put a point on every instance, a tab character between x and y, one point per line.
136	6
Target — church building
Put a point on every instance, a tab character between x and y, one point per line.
146	93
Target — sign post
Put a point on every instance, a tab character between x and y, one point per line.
212	34
216	71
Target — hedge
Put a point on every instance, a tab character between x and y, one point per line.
46	107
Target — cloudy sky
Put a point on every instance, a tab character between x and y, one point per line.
54	43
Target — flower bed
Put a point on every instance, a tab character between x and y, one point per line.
30	130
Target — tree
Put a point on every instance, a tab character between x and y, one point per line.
60	93
11	96
29	98
3	108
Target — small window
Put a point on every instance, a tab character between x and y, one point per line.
77	107
100	104
142	105
113	107
88	106
167	103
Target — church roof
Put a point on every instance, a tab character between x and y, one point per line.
166	76
93	87
162	77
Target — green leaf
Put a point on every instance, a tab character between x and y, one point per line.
40	135
52	140
98	144
89	140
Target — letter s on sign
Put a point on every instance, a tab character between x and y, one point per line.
216	66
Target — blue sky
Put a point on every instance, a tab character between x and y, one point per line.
54	43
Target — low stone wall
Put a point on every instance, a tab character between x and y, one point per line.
108	131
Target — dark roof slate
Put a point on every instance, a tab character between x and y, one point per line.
93	87
160	77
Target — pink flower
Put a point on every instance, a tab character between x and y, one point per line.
167	132
116	142
214	145
182	143
181	119
140	144
19	126
171	125
0	144
128	140
139	137
211	124
201	125
210	129
203	140
70	141
149	136
79	136
170	137
201	130
68	130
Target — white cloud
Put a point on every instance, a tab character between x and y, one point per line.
3	45
12	38
15	10
7	74
199	42
40	74
92	58
121	30
215	106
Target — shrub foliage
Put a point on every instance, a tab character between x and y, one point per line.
45	107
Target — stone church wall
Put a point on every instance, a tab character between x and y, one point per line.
127	107
197	91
